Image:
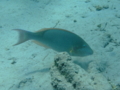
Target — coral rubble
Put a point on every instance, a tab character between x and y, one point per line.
66	75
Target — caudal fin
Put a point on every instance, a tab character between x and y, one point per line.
23	36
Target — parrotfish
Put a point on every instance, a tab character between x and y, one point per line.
57	39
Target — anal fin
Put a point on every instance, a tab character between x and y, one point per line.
40	44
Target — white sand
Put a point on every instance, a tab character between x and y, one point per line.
24	67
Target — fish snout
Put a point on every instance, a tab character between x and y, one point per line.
85	52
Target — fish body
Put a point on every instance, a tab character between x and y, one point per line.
58	39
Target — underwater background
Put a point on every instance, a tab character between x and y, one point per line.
27	66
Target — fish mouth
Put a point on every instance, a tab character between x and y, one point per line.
91	52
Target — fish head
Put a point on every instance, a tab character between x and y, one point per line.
83	50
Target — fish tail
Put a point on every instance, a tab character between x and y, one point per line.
23	36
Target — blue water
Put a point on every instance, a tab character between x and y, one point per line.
27	66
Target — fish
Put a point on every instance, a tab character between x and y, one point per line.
60	40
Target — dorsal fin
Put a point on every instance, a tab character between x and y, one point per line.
45	29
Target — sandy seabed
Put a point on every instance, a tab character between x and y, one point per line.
26	66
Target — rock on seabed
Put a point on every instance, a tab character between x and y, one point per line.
66	75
